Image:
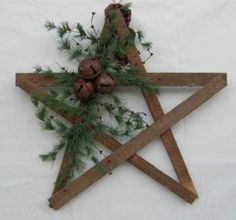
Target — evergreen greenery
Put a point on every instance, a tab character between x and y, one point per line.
79	44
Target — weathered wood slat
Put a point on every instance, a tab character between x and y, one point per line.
185	189
138	142
151	171
157	112
160	79
112	144
64	172
182	79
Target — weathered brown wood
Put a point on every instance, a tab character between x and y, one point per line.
151	171
64	172
27	87
160	79
153	103
39	80
182	79
131	147
26	84
186	190
157	112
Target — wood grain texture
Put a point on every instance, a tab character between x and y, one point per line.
160	79
157	112
26	84
29	87
131	147
213	82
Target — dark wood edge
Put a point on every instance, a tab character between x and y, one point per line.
164	82
160	79
157	112
112	144
131	147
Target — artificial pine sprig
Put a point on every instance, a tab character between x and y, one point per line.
39	69
76	138
80	44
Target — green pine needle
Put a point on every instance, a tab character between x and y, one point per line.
126	7
46	72
146	45
41	113
50	25
64	44
76	53
34	100
78	44
63	29
65	79
47	125
140	36
51	156
81	31
93	37
94	159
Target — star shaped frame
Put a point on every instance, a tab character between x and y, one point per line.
210	83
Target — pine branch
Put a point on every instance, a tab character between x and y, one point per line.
51	156
50	25
76	53
93	37
140	36
63	29
80	44
41	113
64	44
46	72
47	125
34	100
130	75
65	79
82	34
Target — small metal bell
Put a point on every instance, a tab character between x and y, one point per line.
83	90
105	83
90	68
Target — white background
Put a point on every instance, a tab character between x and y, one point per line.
188	35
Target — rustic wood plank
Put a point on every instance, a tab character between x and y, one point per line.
113	144
198	80
64	171
151	171
157	112
153	101
167	138
131	147
182	79
160	79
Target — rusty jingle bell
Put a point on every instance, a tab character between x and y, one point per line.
105	83
90	68
83	90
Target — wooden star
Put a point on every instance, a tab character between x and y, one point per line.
210	83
